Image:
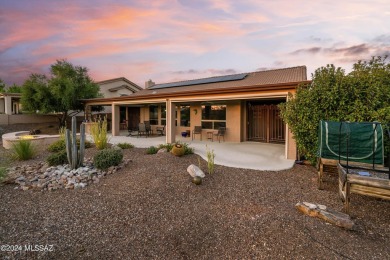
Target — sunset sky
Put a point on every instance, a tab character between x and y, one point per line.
168	40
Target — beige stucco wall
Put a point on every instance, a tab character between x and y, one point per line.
26	119
2	105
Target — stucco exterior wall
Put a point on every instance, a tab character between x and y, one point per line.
26	119
2	105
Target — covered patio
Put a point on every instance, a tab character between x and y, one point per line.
246	155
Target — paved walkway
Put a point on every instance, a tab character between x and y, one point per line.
247	155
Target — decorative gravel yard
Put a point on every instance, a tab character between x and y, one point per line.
150	209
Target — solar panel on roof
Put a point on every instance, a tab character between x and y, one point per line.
201	81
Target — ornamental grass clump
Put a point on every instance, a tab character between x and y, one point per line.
210	160
99	134
22	150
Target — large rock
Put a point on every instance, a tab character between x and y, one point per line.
194	170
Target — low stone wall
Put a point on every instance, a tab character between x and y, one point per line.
38	140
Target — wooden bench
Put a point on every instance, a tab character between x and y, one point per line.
363	185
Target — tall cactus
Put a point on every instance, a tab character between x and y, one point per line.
75	157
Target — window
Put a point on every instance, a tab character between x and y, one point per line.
163	114
153	114
213	116
185	116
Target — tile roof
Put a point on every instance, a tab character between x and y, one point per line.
118	79
258	78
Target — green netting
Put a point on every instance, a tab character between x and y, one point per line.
363	141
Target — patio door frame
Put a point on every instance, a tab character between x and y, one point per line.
264	123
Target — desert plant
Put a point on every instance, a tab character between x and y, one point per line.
166	146
99	134
107	157
125	145
62	132
58	158
152	150
178	149
75	156
3	173
210	160
22	150
187	149
61	145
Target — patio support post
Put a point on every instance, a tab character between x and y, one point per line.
171	128
8	105
115	120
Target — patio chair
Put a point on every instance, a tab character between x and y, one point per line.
197	131
160	130
142	130
148	127
221	133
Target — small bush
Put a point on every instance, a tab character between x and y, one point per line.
3	173
107	158
22	150
125	145
58	158
166	146
152	150
187	149
60	145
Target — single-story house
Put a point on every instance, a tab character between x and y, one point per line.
245	103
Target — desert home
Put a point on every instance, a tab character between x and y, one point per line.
245	104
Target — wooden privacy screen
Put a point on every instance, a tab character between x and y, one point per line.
265	124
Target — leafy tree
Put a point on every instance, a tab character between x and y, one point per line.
61	93
2	86
361	95
14	89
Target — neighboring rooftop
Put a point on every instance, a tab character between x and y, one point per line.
119	79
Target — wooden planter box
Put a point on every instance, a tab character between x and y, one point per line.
377	187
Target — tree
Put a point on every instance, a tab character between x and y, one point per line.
361	95
2	86
61	93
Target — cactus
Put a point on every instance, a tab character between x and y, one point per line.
75	156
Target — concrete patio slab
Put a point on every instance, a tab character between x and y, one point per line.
246	155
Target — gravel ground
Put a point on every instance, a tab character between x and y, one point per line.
150	209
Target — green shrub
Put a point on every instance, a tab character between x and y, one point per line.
152	150
99	134
58	158
107	158
187	149
125	145
166	146
60	145
22	150
3	173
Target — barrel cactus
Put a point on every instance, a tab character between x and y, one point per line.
178	150
75	156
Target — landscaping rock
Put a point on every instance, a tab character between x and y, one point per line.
194	170
41	177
